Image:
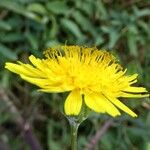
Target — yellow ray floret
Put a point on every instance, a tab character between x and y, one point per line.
90	75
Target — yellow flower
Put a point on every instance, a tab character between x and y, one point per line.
90	75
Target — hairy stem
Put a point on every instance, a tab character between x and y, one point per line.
74	132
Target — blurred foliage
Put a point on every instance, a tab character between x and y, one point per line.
29	26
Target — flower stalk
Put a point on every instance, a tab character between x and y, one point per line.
74	133
75	123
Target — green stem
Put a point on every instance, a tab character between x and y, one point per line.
75	122
74	131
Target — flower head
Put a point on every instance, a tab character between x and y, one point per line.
90	75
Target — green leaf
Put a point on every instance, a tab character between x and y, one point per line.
57	7
32	40
99	40
145	26
34	43
20	9
51	43
72	27
12	37
53	31
5	25
102	10
5	79
38	8
113	38
85	23
132	40
85	6
141	12
8	53
148	146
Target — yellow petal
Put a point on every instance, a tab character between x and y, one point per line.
132	77
132	95
34	60
135	89
73	103
24	69
57	89
17	69
44	83
37	62
91	102
37	81
123	107
99	103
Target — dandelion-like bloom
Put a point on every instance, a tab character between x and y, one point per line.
90	75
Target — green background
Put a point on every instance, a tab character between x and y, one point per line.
30	26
